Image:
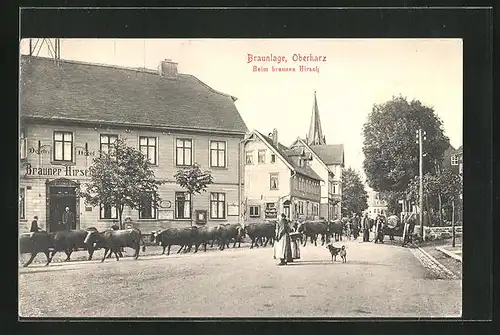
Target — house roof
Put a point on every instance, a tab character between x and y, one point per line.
282	151
83	92
459	151
330	154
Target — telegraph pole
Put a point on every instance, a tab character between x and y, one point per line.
421	184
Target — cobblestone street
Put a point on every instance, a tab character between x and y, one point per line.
377	281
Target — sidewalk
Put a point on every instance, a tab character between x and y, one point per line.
455	253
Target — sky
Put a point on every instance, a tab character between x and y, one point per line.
353	74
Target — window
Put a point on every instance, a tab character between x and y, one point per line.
262	156
22	146
301	207
217	206
273	158
454	160
273	177
183	152
147	209
249	158
63	146
106	143
217	154
182	205
147	145
108	212
254	211
22	203
334	189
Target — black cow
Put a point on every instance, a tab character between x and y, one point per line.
259	231
70	240
34	243
184	237
231	232
113	240
312	229
336	229
207	234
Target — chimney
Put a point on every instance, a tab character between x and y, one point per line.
275	137
168	69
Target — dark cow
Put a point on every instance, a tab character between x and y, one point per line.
312	229
336	229
231	232
207	234
34	243
184	237
113	240
260	231
70	240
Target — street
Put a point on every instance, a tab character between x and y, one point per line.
377	281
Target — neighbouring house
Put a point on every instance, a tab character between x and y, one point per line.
327	160
453	159
71	111
278	180
376	205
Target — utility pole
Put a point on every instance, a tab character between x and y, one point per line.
421	136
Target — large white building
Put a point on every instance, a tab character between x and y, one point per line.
327	160
376	205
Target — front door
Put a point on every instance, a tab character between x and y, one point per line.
60	198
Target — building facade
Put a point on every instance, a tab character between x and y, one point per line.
278	181
376	205
72	111
327	161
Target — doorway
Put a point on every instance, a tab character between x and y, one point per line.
61	193
286	209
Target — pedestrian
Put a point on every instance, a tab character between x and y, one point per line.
68	219
392	223
365	224
34	225
356	226
294	242
379	229
282	241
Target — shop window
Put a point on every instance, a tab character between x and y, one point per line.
273	178
147	146
217	154
182	205
183	152
217	206
147	209
107	142
249	158
63	146
255	211
108	212
22	203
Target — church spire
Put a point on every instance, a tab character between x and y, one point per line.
315	135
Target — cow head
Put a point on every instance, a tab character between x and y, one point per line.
154	237
240	231
92	235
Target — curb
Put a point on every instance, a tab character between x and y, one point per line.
450	254
440	266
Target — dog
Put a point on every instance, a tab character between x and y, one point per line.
334	251
343	254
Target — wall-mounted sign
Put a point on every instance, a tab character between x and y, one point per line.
165	204
201	216
38	151
88	209
233	209
271	212
85	153
56	170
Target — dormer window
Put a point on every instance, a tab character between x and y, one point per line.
454	160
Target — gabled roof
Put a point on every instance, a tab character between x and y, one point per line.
330	154
83	92
281	151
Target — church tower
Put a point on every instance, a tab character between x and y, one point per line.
315	135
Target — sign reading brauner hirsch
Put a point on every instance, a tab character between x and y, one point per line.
309	144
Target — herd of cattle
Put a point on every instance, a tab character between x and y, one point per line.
114	240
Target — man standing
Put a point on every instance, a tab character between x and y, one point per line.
282	238
392	223
366	227
34	225
68	219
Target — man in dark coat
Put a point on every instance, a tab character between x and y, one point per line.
68	219
34	225
365	224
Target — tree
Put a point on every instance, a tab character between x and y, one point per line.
121	177
390	148
194	180
354	196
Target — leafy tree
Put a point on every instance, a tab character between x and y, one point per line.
122	177
390	148
194	180
354	196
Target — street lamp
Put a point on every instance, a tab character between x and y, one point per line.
421	136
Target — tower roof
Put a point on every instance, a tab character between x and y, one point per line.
315	135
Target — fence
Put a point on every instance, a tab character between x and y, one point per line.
438	233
